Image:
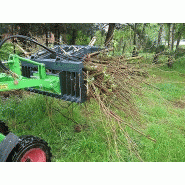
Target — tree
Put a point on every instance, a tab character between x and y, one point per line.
160	34
109	35
158	43
180	30
171	43
134	53
3	29
69	31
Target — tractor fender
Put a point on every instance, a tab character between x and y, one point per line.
7	145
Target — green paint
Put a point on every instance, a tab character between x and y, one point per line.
40	81
14	64
2	137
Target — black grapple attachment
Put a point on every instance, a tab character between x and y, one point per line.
66	62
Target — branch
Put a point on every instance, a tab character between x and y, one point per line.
102	51
25	52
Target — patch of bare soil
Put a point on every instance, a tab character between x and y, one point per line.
179	104
19	93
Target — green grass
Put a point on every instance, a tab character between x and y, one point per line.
31	116
164	119
165	123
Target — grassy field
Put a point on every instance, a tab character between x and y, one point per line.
83	133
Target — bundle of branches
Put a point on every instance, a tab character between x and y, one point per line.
113	81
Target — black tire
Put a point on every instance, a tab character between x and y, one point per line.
26	144
3	128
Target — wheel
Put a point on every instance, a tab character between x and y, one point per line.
3	128
30	149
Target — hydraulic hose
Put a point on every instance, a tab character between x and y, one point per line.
25	38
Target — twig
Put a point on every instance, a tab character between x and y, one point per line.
99	62
25	52
133	58
87	83
119	119
93	40
98	52
151	85
88	68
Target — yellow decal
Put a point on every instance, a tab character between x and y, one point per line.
3	86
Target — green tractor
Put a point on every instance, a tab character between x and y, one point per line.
64	80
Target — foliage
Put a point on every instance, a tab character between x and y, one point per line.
100	38
6	49
82	39
3	28
152	32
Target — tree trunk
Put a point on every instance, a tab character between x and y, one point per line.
13	39
160	34
134	53
158	43
173	37
124	45
143	42
109	35
24	30
56	35
130	36
144	26
170	57
74	35
178	41
170	37
169	26
46	34
64	38
64	33
179	35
